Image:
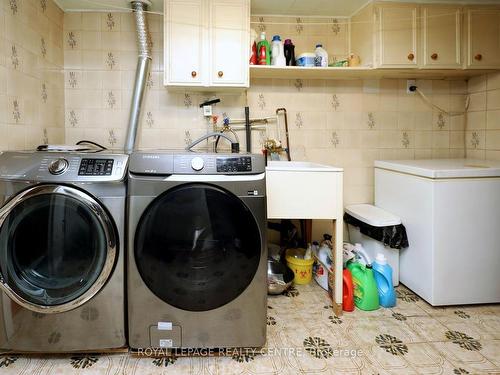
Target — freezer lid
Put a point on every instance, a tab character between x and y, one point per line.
443	168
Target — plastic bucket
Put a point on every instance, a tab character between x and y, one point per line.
302	268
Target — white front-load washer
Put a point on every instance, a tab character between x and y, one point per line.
62	218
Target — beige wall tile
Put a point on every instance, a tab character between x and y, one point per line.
492	155
493	120
492	140
493	99
477	101
476	120
477	84
493	81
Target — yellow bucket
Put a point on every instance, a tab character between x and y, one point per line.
302	268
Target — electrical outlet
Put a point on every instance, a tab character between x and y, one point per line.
410	83
207	110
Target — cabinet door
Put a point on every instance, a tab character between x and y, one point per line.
483	38
397	36
185	26
230	42
441	37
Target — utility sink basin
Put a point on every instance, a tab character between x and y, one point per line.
300	166
303	190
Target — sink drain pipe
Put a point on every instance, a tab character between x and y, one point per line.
139	8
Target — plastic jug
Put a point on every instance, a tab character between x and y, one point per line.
347	291
277	52
321	56
263	52
383	277
365	287
289	52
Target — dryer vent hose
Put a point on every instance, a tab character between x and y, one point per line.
139	8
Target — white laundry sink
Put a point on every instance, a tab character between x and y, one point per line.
303	190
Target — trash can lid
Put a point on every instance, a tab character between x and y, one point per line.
372	215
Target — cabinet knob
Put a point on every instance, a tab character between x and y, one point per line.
411	56
193	74
220	73
434	56
478	57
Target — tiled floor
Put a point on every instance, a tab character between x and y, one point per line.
304	337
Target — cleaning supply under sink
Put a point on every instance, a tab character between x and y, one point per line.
383	277
365	287
347	291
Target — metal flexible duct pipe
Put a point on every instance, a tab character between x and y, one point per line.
139	8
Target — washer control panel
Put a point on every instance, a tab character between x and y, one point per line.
55	166
96	167
239	164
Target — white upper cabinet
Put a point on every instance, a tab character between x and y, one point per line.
230	43
483	38
184	48
207	43
441	37
396	35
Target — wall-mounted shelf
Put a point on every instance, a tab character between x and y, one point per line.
295	72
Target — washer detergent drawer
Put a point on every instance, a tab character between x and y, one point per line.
165	338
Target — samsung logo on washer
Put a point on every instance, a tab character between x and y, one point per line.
150	156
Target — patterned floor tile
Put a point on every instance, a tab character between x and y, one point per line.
388	360
424	359
306	337
366	332
426	327
491	351
466	361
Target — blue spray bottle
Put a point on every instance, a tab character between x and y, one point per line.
383	277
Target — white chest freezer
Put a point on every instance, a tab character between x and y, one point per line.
451	211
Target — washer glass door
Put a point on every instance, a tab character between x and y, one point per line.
197	247
57	248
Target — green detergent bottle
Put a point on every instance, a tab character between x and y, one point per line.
365	287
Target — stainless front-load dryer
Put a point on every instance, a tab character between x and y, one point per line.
61	251
197	250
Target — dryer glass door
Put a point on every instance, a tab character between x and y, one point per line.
197	247
57	248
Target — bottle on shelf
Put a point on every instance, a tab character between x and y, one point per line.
263	50
289	51
277	52
321	56
253	48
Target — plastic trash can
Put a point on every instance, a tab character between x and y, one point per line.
378	231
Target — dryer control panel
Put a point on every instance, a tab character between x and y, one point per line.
184	163
240	164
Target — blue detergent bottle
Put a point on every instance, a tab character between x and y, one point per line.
383	276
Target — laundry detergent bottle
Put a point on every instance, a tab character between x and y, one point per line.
347	291
365	287
383	276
